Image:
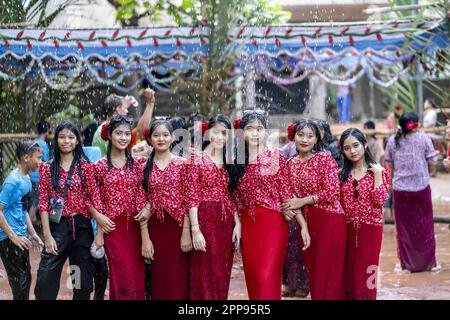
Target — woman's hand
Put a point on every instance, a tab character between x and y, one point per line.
198	240
288	214
186	240
376	168
148	250
236	238
143	215
306	238
105	223
50	245
293	204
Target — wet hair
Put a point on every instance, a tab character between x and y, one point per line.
227	161
311	124
239	170
26	147
178	123
348	164
149	164
112	102
78	154
325	128
43	127
403	124
116	121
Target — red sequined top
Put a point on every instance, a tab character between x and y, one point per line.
367	208
119	188
80	197
206	182
166	191
265	182
317	176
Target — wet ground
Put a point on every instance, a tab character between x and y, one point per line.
392	283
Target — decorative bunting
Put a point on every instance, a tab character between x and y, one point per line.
55	42
143	33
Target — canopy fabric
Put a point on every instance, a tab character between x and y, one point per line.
284	54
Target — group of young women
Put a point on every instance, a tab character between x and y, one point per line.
188	214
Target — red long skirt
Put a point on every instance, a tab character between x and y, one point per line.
169	269
210	271
361	261
264	243
324	259
126	264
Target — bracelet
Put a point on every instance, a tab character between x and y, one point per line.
186	228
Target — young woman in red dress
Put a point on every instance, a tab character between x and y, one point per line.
364	190
118	176
164	184
314	174
69	179
214	223
260	183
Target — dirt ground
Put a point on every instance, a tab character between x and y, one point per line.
392	284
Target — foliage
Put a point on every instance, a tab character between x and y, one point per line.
403	92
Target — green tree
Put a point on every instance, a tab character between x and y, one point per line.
208	90
404	91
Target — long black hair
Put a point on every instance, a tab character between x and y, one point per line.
239	169
311	124
227	157
348	164
78	154
149	164
403	123
118	120
325	129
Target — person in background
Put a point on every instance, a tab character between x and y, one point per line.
409	154
101	271
115	104
88	133
447	134
331	144
372	142
430	121
43	129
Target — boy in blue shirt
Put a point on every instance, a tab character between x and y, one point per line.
15	224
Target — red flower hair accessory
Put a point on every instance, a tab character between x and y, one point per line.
291	131
146	133
203	127
104	132
237	123
411	125
398	107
